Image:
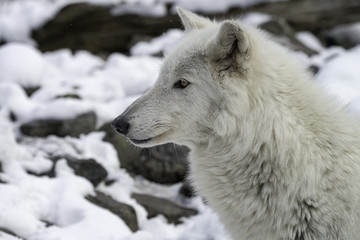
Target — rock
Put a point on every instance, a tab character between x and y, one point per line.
12	116
69	95
87	168
82	124
161	164
347	36
109	182
284	34
314	69
171	211
311	15
47	223
96	29
187	190
1	170
122	210
165	163
51	172
4	233
29	90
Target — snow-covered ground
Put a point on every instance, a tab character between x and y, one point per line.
106	87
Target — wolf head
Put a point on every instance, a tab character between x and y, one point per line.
188	103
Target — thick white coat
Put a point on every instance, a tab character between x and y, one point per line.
273	155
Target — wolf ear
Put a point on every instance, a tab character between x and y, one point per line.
230	47
192	21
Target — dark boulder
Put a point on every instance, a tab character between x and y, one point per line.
96	29
284	34
346	36
187	190
171	211
81	124
314	69
29	90
68	95
1	170
87	168
8	234
312	15
122	210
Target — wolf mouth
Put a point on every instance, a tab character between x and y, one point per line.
140	141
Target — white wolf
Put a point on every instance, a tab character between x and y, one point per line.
273	155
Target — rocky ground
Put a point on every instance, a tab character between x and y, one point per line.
45	146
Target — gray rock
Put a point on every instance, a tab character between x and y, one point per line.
161	164
49	173
171	211
47	223
87	168
122	210
4	233
68	95
94	28
347	36
1	170
314	69
82	124
312	15
284	34
187	190
165	163
12	116
29	90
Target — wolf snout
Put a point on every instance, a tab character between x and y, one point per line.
121	125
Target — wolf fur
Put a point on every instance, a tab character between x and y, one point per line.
273	155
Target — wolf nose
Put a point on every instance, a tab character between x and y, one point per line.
121	125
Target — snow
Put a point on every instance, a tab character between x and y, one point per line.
309	40
345	85
107	87
255	19
145	8
220	6
19	17
22	64
350	32
157	45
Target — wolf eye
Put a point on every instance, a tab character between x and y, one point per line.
182	83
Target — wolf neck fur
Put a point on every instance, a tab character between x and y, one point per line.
263	165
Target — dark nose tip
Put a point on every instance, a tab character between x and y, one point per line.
121	125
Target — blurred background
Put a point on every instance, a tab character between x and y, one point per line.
68	68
